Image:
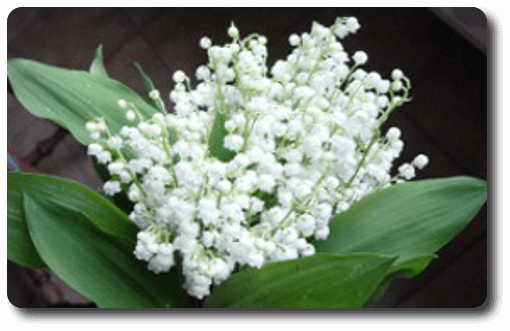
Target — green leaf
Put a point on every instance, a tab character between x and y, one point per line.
411	267
98	264
408	269
71	98
63	216
148	85
97	65
412	220
216	137
20	248
318	281
76	196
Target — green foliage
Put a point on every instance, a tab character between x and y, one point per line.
97	65
319	281
148	85
89	243
71	98
20	248
410	219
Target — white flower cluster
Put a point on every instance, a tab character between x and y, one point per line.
302	143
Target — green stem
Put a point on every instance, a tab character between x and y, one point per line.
360	164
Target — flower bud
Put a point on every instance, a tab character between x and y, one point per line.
179	76
91	126
205	42
360	57
294	40
397	74
122	103
154	94
393	134
233	32
420	161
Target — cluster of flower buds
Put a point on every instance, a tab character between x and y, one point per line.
303	142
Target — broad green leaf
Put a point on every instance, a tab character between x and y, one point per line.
381	291
71	98
318	281
148	85
408	269
82	215
97	65
412	220
218	133
75	196
411	267
20	248
98	264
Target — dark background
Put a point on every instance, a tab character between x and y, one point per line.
447	118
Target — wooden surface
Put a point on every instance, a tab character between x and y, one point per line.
447	118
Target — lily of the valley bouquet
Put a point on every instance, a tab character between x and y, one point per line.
258	187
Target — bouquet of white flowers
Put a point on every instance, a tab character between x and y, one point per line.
264	187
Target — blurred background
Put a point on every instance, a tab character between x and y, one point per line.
442	50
